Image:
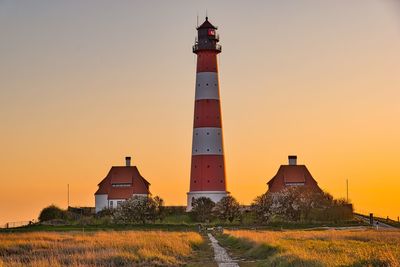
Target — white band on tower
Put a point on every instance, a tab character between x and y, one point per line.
207	141
207	85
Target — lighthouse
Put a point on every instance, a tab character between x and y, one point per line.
207	175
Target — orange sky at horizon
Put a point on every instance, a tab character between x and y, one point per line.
83	85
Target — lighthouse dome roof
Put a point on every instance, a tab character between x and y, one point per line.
207	25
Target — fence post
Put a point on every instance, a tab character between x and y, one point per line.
371	218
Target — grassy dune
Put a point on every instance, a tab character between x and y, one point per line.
315	248
139	248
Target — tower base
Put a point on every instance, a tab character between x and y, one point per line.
215	196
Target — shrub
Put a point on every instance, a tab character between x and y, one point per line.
227	209
139	209
261	207
202	209
300	204
52	212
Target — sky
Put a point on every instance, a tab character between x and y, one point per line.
85	83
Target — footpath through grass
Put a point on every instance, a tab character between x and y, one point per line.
313	248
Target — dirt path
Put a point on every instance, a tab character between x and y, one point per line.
220	255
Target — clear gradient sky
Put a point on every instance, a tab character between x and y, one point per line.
85	83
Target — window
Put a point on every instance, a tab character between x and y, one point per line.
111	204
294	183
121	185
119	202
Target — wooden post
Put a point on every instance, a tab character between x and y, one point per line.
371	219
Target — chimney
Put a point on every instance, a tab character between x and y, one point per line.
128	161
293	160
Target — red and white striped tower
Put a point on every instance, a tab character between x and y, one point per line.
207	176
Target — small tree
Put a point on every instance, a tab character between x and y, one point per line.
160	208
261	207
51	212
300	204
227	209
202	209
138	209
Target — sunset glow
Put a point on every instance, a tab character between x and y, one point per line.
82	85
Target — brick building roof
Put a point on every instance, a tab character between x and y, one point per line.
122	182
292	175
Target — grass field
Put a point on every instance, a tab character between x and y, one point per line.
314	248
139	248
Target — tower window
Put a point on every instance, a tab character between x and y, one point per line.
208	181
206	84
208	149
208	133
208	166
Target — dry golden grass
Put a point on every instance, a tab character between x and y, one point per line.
139	248
328	248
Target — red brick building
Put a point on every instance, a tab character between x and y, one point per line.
292	175
121	183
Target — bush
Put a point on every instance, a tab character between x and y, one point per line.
52	212
227	209
139	209
300	204
202	209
